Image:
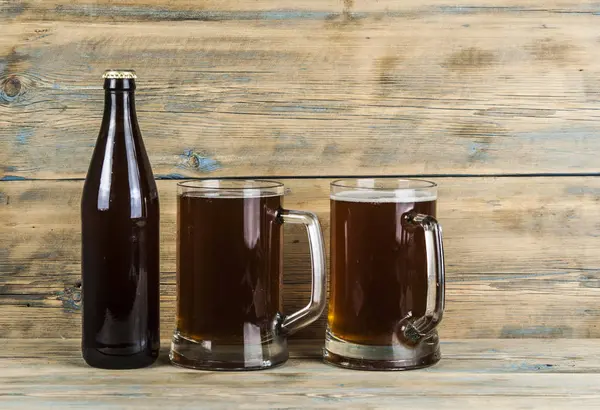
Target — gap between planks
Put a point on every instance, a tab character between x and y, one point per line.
9	178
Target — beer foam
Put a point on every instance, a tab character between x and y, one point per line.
380	196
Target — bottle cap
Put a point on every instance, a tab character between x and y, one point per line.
119	74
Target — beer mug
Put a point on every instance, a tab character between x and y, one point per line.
229	275
387	275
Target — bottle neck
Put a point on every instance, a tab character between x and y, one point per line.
119	109
119	84
121	141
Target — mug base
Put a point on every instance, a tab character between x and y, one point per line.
349	355
211	355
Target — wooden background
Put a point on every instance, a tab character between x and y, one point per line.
496	100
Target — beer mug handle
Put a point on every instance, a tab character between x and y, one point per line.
314	309
415	328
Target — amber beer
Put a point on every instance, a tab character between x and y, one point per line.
229	275
378	270
229	267
120	239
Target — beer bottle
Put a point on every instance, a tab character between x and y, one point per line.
120	239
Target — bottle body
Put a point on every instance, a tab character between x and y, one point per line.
120	242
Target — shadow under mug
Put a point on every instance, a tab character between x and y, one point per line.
387	275
229	275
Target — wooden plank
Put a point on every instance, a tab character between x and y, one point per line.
219	10
445	93
472	374
521	256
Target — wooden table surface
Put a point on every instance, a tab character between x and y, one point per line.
495	373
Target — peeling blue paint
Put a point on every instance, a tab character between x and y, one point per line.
10	168
294	15
171	176
12	178
482	9
24	135
200	15
529	367
162	13
197	162
511	9
208	164
455	10
70	298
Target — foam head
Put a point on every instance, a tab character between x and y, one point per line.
402	196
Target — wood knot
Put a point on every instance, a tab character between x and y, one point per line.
12	86
70	298
198	162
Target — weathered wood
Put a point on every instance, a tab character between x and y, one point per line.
521	256
317	88
494	374
218	10
467	90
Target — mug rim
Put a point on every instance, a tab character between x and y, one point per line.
258	184
412	184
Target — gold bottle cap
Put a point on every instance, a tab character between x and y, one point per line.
119	74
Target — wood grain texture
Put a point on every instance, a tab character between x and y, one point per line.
218	10
319	88
521	255
495	374
466	91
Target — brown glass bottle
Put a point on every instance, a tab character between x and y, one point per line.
120	239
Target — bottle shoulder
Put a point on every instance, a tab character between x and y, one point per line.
144	188
107	190
120	174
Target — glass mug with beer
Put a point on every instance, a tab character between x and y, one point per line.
229	275
387	275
